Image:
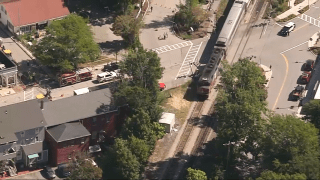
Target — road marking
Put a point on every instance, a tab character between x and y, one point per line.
300	27
278	24
284	80
310	20
190	57
293	47
167	48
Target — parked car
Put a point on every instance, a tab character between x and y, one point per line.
106	76
92	162
110	67
64	170
308	66
49	172
289	27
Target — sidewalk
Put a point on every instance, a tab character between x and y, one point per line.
267	73
295	8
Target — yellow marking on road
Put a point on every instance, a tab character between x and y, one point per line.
284	80
301	27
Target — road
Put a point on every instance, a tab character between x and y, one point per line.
286	56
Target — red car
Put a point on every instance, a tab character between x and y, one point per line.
162	86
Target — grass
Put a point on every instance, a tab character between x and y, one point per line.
304	9
99	61
178	100
222	6
297	2
291	16
185	35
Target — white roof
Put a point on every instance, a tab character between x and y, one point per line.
289	24
317	95
81	91
167	118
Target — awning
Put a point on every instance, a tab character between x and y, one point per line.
7	51
33	156
40	96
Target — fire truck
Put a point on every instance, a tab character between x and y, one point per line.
75	77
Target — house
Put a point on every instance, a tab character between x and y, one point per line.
26	15
22	133
94	111
65	139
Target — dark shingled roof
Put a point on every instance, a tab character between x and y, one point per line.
77	107
17	117
68	131
33	148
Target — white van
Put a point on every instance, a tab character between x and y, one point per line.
106	76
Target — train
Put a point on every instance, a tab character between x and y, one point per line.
209	74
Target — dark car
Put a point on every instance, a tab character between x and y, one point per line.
64	170
309	65
287	29
49	172
111	67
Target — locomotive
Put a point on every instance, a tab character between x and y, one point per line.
209	74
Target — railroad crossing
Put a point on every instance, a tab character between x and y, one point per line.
188	61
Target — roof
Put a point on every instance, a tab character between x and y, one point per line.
68	131
77	107
167	118
17	117
23	12
289	24
32	148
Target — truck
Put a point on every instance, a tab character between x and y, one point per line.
75	77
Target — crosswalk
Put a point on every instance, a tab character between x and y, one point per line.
310	20
167	48
188	60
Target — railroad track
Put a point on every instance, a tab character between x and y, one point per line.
174	163
256	11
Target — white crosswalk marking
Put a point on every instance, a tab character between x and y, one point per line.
188	60
167	48
310	20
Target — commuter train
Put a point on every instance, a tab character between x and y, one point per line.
208	77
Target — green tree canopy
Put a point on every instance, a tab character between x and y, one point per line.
291	146
127	27
312	110
195	174
84	169
68	42
267	175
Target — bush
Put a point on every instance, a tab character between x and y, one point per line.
291	16
304	10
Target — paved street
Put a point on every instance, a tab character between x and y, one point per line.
286	55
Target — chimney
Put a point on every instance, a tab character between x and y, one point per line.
41	105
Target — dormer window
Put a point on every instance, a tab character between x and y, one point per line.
22	133
11	150
37	130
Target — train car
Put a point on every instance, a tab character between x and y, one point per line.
209	74
231	24
207	79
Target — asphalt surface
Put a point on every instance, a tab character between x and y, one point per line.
286	56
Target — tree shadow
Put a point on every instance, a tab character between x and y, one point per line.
112	46
159	24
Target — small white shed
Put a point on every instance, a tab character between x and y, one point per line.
168	119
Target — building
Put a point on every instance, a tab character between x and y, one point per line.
22	134
65	139
26	15
92	111
8	70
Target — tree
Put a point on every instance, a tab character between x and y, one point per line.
312	110
291	146
83	167
194	174
68	42
128	28
267	175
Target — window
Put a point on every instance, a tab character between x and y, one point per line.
108	117
11	150
37	130
94	121
40	156
23	142
72	142
19	155
37	139
82	140
94	134
22	133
